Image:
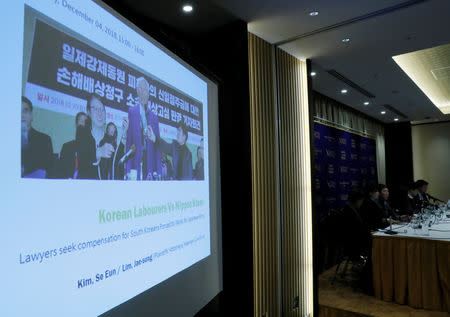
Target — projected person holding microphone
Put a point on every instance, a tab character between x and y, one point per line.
93	149
88	138
146	162
110	167
181	156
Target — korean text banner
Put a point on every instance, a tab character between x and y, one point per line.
62	63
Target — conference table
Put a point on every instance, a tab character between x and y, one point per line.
413	266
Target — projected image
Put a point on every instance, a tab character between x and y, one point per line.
116	138
89	115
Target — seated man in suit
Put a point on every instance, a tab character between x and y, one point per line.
371	211
410	206
357	238
384	204
181	156
383	200
422	187
355	233
37	149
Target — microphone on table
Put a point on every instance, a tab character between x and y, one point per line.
127	155
390	231
434	198
428	204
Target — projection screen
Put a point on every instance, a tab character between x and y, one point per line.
110	168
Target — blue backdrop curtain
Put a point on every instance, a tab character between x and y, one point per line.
343	139
334	113
343	160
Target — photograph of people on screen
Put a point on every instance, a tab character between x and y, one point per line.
88	114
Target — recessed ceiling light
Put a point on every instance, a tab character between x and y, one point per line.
343	91
346	40
187	8
395	119
366	103
383	112
313	73
313	13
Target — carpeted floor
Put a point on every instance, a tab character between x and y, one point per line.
343	298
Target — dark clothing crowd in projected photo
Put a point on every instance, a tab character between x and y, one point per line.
98	153
86	115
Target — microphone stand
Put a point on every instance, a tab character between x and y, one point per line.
390	231
115	154
434	198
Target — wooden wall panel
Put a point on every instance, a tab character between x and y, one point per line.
264	178
295	178
281	182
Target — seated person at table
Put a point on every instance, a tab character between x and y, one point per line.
422	187
371	211
355	233
409	205
67	163
37	149
384	204
181	156
357	238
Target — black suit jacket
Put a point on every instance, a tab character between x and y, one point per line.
409	205
199	172
106	171
181	158
66	164
86	151
38	154
387	209
424	197
373	215
355	235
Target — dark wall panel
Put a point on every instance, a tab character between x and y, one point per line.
399	161
225	53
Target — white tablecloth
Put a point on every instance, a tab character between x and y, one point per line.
440	231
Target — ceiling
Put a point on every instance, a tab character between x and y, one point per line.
430	70
206	16
377	29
